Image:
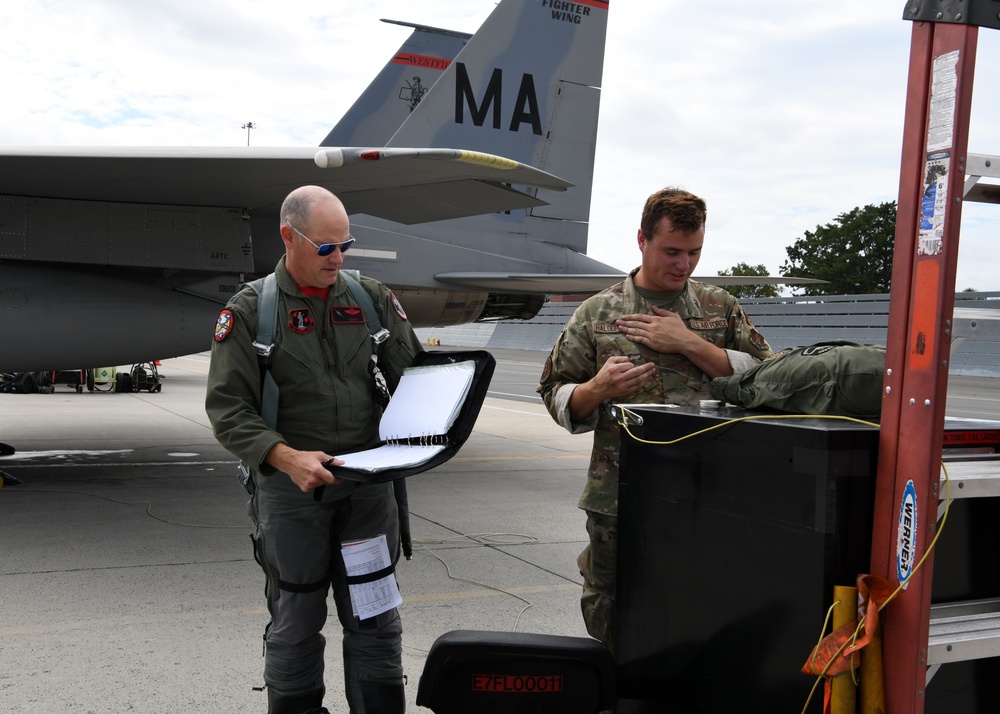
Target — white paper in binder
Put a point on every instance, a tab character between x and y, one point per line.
415	425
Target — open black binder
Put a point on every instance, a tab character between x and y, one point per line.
429	450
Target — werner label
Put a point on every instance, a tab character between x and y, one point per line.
906	538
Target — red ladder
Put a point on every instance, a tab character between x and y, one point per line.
932	176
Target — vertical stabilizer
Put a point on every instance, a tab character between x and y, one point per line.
527	87
398	88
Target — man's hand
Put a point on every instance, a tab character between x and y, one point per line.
306	468
663	331
618	377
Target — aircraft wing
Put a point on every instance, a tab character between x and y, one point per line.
403	185
726	280
565	284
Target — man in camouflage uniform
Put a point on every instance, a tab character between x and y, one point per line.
656	338
326	406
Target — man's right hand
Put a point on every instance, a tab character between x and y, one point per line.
618	377
305	468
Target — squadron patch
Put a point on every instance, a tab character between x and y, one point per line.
547	370
223	325
300	321
347	315
396	304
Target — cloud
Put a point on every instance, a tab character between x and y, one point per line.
782	114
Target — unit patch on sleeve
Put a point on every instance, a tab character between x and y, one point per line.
223	325
396	304
300	321
347	315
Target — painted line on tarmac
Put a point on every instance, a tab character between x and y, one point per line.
436	597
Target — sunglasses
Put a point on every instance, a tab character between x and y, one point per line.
327	248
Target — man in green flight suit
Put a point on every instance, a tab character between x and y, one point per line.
657	337
326	406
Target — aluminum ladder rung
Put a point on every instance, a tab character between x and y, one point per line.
962	631
975	478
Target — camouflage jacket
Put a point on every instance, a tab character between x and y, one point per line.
591	337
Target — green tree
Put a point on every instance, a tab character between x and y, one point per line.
749	291
853	253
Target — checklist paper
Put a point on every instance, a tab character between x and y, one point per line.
361	558
414	427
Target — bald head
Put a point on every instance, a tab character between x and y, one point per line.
312	216
298	206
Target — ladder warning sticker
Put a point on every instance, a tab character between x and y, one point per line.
940	139
906	536
944	93
974	437
930	236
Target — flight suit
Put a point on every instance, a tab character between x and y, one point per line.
326	403
589	339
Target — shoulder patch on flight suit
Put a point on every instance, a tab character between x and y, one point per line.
547	370
300	321
398	306
223	325
347	315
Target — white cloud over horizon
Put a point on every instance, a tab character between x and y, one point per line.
782	114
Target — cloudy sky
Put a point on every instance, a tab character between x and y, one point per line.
781	113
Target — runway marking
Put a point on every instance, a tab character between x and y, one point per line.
519	458
517	411
11	460
115	623
533	398
62	453
437	597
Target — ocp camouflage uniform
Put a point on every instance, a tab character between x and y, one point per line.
591	337
326	403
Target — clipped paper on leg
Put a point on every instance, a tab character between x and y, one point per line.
370	577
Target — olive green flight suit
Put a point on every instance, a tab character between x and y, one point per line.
326	403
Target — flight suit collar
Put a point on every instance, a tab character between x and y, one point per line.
288	286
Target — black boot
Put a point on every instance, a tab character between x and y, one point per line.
384	697
279	702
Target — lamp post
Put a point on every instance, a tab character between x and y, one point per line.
248	126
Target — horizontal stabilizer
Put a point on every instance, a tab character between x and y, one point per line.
532	282
590	283
728	280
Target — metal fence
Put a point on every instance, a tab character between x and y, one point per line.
786	322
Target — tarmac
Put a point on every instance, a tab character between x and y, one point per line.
127	581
